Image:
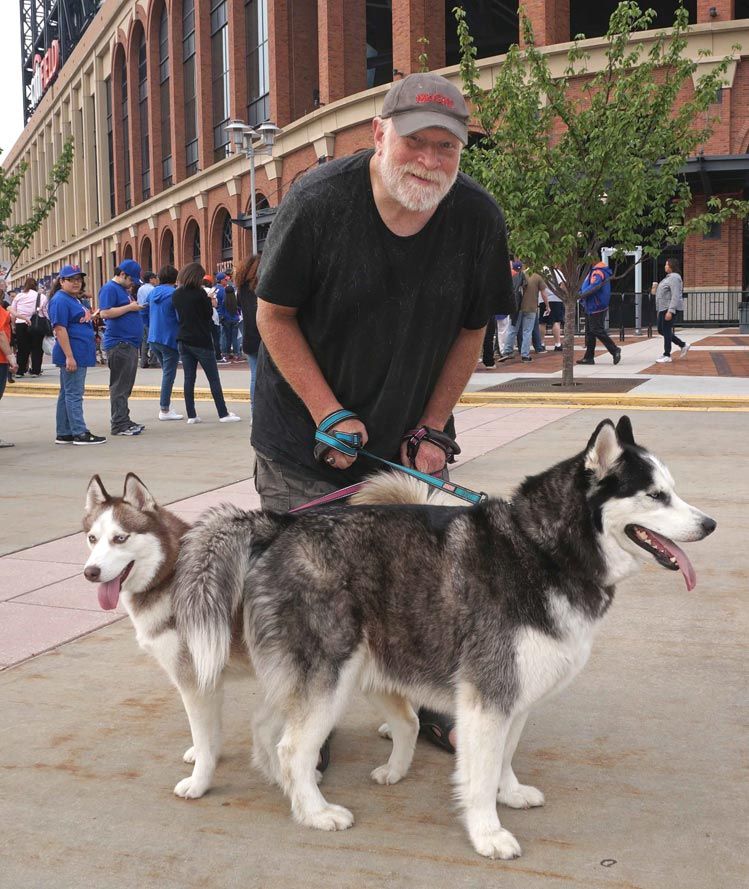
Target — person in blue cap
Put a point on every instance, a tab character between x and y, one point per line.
74	352
123	333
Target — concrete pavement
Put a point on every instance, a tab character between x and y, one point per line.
640	759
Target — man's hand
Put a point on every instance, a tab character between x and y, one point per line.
136	307
337	460
71	364
12	366
669	316
429	458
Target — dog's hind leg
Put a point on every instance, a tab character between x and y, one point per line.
511	792
267	729
403	728
204	714
310	719
481	737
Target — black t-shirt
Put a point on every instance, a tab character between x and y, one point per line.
195	313
380	311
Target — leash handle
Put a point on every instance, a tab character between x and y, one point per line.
350	443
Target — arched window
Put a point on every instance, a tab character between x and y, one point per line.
196	244
146	255
227	240
256	42
188	74
166	126
125	118
167	248
145	153
220	76
127	253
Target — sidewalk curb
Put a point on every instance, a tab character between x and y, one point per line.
608	399
487	399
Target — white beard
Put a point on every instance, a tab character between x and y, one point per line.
414	196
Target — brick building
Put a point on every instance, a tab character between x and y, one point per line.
150	86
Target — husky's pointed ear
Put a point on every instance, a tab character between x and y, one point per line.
603	449
96	494
624	431
137	494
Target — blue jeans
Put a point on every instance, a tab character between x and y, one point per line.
252	361
168	358
525	322
230	337
192	356
70	402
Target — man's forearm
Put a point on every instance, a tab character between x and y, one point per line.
459	365
293	357
116	311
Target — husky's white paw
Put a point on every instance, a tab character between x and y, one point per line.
497	844
384	731
386	774
329	818
522	797
191	788
189	755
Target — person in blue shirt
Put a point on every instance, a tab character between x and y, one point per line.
122	338
74	352
163	325
595	295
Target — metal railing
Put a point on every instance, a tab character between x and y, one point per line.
702	308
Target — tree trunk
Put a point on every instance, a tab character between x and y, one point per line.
568	342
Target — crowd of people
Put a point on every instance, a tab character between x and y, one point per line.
171	318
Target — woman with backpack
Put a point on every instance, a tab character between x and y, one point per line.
27	303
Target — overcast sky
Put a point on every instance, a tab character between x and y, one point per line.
11	101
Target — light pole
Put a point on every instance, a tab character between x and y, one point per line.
243	138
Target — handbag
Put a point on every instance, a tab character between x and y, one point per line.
48	344
38	323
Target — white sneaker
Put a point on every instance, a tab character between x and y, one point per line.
191	420
229	418
684	349
664	359
169	415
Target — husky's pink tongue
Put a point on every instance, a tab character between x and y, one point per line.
682	559
109	594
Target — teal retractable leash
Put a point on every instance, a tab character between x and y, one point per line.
350	443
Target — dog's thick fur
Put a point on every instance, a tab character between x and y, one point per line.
480	612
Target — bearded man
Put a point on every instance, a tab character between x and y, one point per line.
379	276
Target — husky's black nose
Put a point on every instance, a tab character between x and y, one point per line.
709	525
93	572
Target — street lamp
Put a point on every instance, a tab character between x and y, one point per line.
252	141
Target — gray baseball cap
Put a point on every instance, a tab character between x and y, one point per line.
426	100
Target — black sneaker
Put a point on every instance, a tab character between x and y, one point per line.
525	358
131	430
558	349
64	439
617	356
87	438
503	358
585	361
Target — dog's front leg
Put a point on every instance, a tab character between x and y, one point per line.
403	728
204	714
511	792
481	736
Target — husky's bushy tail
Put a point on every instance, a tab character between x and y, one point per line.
213	564
396	487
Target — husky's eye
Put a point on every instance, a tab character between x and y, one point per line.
92	538
120	538
660	496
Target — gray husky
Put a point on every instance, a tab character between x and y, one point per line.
480	612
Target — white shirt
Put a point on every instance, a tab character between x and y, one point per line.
24	305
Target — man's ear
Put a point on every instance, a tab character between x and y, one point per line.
603	449
137	494
96	494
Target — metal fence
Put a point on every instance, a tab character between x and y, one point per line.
702	308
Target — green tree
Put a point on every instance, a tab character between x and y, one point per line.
592	159
15	238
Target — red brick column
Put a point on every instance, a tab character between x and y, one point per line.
725	9
293	60
341	28
413	19
204	85
279	62
550	20
714	262
238	60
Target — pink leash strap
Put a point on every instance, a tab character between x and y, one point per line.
340	494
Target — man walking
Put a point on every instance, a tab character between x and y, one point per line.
534	289
147	357
595	295
123	334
